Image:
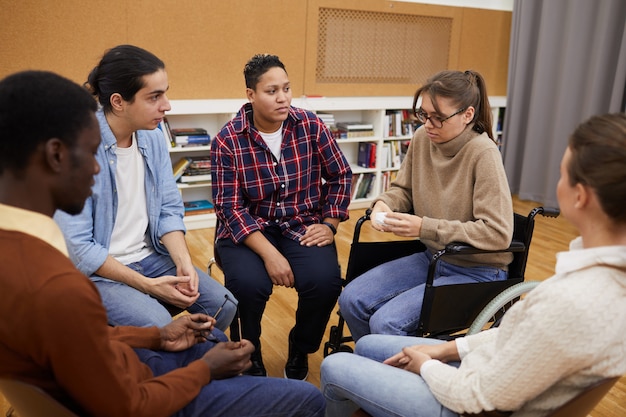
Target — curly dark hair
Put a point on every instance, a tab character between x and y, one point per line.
36	106
259	65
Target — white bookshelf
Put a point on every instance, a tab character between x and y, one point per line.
212	115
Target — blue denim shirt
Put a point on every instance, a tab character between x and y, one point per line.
88	234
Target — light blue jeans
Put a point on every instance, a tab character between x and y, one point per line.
350	381
388	298
127	306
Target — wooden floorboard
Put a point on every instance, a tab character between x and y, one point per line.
550	236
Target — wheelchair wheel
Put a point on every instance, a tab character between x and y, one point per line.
494	311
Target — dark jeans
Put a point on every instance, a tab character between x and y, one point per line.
240	395
317	281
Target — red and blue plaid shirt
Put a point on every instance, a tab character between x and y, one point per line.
253	190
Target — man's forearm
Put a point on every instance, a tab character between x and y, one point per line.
116	271
176	245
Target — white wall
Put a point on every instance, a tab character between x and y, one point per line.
479	4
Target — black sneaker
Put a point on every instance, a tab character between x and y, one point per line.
297	366
257	368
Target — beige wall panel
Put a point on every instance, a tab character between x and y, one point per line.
206	43
485	46
66	36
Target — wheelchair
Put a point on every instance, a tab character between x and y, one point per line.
447	310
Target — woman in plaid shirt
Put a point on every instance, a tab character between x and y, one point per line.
281	185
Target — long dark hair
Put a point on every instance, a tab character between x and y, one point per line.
465	89
121	70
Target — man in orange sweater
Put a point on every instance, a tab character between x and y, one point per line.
54	331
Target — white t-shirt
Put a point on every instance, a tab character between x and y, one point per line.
130	241
274	141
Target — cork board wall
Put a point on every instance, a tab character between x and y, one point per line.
205	43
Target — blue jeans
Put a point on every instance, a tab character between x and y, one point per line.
240	395
127	306
388	298
351	381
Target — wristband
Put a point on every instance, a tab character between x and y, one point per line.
331	227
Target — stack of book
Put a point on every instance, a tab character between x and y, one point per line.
198	207
354	129
192	136
199	170
192	170
328	119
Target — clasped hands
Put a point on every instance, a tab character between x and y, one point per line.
411	358
180	291
224	359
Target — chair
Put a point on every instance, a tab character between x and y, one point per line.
31	401
447	309
583	403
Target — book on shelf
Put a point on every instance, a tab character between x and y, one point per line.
200	162
167	133
193	140
385	155
190	136
179	167
355	126
362	184
327	118
400	123
366	157
354	130
186	131
386	179
343	134
198	170
198	207
195	178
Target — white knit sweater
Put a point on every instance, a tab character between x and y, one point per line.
569	332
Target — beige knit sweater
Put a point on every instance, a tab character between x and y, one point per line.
460	190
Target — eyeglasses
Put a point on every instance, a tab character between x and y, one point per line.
436	121
210	336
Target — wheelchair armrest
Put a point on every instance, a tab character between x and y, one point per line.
459	248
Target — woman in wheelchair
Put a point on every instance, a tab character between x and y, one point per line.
565	335
453	181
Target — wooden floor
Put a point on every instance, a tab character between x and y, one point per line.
551	236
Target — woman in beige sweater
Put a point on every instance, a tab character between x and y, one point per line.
453	181
565	335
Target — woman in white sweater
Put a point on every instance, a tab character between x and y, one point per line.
565	335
